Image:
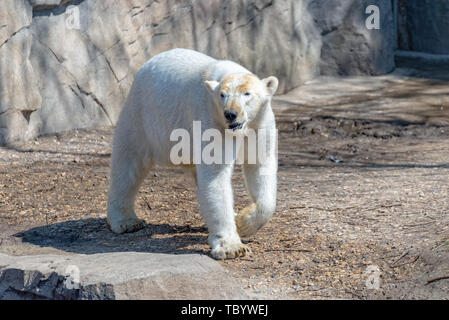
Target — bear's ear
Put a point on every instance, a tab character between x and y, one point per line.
271	84
211	86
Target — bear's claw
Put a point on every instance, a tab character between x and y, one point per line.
231	252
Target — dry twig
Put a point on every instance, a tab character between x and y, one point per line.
437	279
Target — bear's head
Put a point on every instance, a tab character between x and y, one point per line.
240	97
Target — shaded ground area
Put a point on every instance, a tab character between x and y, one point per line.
363	185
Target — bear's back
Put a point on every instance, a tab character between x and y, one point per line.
176	77
172	80
180	66
185	69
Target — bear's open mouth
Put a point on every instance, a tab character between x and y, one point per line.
236	126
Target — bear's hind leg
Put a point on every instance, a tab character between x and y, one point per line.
129	166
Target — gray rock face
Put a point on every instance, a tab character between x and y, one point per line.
349	47
69	64
118	276
424	26
19	84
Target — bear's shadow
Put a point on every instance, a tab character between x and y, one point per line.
91	236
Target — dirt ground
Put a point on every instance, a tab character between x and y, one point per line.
363	185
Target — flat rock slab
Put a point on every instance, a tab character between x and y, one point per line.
121	276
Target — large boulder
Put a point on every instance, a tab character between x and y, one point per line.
77	59
116	276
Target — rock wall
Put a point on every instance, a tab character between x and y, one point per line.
349	47
69	64
424	26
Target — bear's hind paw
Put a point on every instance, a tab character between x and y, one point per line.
244	221
231	252
128	226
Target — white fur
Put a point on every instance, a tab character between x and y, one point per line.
170	92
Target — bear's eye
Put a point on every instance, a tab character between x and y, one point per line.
222	95
247	94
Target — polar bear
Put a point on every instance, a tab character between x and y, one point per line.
171	91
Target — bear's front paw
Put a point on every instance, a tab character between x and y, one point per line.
245	221
230	251
127	226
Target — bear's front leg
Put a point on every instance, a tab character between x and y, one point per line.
261	183
217	208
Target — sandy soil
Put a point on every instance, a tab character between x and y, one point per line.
363	185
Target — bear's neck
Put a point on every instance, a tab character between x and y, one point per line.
265	118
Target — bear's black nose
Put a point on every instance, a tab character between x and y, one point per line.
231	115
